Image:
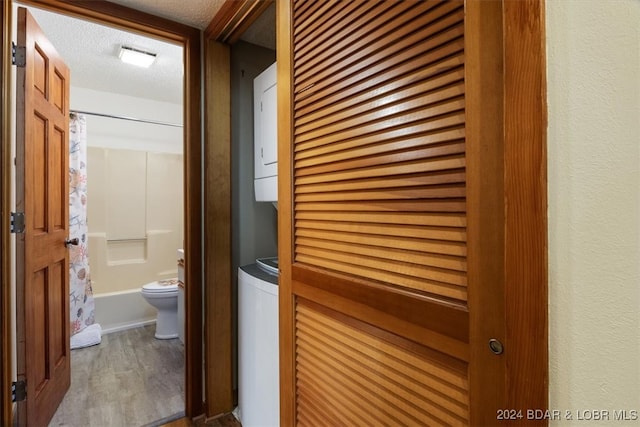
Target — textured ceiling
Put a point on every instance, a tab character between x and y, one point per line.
263	30
196	13
91	50
199	13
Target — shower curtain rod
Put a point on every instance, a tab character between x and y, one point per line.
132	119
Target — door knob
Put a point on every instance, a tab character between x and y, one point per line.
75	241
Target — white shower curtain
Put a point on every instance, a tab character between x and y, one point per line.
81	295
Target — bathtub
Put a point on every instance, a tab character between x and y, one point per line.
117	311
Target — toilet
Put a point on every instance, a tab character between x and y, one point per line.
163	295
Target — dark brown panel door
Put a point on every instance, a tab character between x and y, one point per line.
42	128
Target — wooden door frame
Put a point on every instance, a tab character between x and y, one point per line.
226	27
148	25
525	194
517	28
217	228
6	347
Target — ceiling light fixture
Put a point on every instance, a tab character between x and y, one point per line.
138	57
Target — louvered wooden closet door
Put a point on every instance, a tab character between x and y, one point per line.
377	284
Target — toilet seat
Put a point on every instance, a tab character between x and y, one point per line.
161	287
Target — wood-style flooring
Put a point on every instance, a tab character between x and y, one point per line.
129	379
227	420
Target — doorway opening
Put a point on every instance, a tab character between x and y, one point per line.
188	39
126	208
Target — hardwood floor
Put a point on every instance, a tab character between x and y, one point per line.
130	379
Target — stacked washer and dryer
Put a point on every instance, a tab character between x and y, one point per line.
258	357
258	360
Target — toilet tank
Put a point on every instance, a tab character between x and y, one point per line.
265	135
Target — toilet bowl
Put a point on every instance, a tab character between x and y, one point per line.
163	295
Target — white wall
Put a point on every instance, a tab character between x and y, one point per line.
593	51
112	133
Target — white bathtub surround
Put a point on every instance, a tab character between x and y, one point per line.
127	265
118	311
135	218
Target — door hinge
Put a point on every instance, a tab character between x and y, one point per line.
18	55
17	222
19	391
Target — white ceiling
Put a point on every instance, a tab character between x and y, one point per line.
195	13
199	13
263	30
91	50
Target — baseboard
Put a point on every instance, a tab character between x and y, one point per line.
119	311
125	326
166	420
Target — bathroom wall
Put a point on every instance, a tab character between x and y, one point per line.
111	133
593	59
135	201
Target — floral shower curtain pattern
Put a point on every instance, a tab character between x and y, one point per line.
81	295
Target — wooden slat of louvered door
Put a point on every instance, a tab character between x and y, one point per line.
370	155
376	289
